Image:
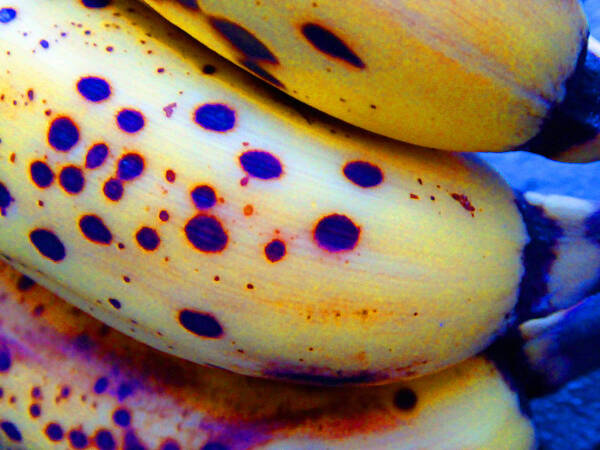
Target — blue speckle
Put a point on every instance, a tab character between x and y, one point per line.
261	164
363	174
206	234
275	250
96	156
115	303
41	174
71	179
54	432
94	89
214	446
5	198
124	391
101	385
215	117
48	244
204	197
63	134
105	440
243	40
122	417
11	430
95	3
95	230
201	324
44	43
130	166
130	120
131	442
336	232
78	439
113	189
7	15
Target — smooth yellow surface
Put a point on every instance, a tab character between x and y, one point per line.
466	407
463	75
428	284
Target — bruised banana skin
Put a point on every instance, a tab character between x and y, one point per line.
460	75
279	265
68	380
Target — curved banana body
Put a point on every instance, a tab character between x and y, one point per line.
156	186
461	75
76	383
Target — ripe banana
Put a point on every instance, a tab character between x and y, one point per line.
68	381
461	75
175	198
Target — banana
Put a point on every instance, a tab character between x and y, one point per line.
461	75
176	199
68	382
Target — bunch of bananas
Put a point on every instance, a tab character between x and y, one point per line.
181	201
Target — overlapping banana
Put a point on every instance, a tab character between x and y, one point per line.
174	198
68	381
461	75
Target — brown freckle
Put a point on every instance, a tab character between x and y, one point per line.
121	246
170	176
48	112
250	286
248	210
38	310
126	279
415	314
12	399
245	144
432	198
13	157
239	350
217	278
244	181
310	349
160	70
169	109
414	196
163	215
420	181
40	203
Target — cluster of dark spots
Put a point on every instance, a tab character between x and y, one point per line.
170	176
48	244
54	432
163	216
95	3
95	230
122	417
94	89
7	15
41	174
363	173
113	189
96	155
336	232
130	120
327	42
464	202
101	385
243	40
275	250
63	134
78	439
105	440
206	233
5	359
215	117
204	197
261	164
209	69
11	431
405	399
71	179
200	323
147	238
130	166
24	283
259	71
5	198
35	411
44	44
